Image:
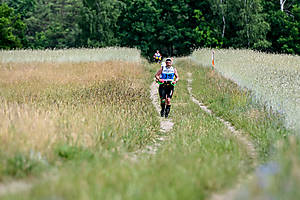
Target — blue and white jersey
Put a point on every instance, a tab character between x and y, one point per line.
157	55
167	74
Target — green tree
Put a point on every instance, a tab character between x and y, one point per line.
289	39
284	20
175	27
11	28
138	25
206	34
165	25
217	17
252	28
54	24
98	22
22	7
241	24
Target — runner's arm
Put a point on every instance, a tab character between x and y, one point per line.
176	75
158	74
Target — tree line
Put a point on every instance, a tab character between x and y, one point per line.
176	27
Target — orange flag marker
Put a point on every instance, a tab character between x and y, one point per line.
213	60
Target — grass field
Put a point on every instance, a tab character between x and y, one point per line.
274	81
71	55
70	128
236	105
48	107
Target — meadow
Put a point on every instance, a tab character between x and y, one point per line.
70	127
71	55
55	105
272	78
274	84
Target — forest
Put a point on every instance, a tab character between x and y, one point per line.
175	27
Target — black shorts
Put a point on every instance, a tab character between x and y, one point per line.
166	90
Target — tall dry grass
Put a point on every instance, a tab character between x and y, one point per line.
274	79
65	73
86	104
71	55
275	82
113	116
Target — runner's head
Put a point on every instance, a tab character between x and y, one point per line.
168	62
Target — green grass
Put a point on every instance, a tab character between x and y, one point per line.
278	179
272	78
82	131
95	133
228	101
100	115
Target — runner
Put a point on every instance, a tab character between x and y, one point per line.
157	56
167	77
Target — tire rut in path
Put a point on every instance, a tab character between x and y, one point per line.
13	187
17	186
242	139
166	125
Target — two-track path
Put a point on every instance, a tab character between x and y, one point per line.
13	187
241	138
166	125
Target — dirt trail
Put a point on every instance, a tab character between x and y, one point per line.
166	125
242	139
13	187
26	184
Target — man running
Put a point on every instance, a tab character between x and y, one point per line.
157	56
167	77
